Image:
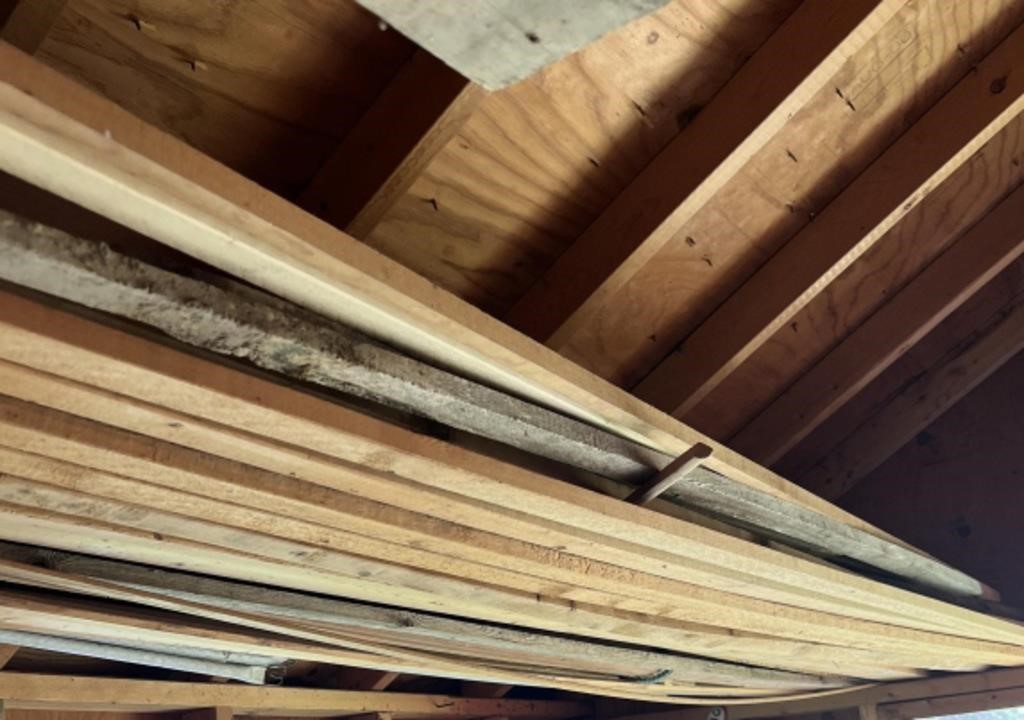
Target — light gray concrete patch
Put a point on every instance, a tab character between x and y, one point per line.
496	43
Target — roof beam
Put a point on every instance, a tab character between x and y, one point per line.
745	114
98	694
918	404
422	108
975	258
953	130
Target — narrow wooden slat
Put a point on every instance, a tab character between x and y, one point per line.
977	108
783	74
61	137
409	123
28	690
976	257
916	406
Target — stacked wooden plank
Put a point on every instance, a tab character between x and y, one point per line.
118	445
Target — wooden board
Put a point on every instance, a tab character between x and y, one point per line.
326	271
898	180
908	65
202	75
539	161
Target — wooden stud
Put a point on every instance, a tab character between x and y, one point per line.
267	394
935	147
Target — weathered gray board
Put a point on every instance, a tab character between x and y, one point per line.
395	624
282	338
496	43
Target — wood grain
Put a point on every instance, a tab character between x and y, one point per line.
26	23
244	230
946	341
735	125
919	404
865	287
411	121
935	147
206	76
911	62
980	254
539	161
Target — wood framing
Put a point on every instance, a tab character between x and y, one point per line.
982	104
737	123
918	404
978	256
418	113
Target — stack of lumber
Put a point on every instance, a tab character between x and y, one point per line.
121	444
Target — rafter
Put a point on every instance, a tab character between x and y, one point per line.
976	257
953	130
410	122
918	404
734	126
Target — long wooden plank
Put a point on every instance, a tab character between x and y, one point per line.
448	506
25	690
888	693
952	131
655	534
976	257
699	605
917	405
277	337
133	583
733	127
67	140
415	116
